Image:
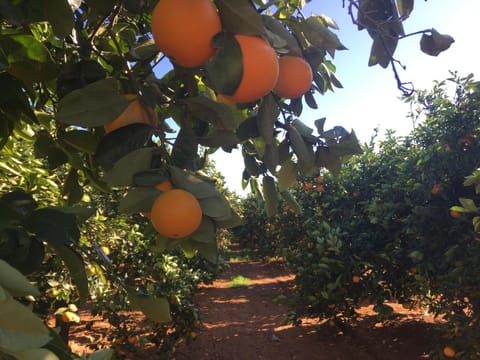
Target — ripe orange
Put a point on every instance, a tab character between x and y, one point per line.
449	352
320	180
164	186
436	189
308	186
320	189
176	214
295	77
183	30
356	279
455	214
105	250
133	339
136	112
260	69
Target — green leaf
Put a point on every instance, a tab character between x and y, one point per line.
74	262
138	200
53	226
286	175
124	170
102	354
8	216
303	151
267	115
93	105
188	181
219	138
212	112
71	187
28	59
12	280
60	16
155	309
216	207
382	50
277	27
206	232
405	8
150	178
232	221
46	148
270	195
435	43
80	140
469	205
122	142
270	157
225	68
20	329
36	354
318	34
291	202
240	17
21	202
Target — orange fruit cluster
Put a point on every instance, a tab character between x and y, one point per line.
184	29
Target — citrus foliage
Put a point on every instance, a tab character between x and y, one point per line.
382	229
68	69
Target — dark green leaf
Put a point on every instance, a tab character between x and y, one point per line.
267	115
155	309
80	140
121	142
74	262
248	129
219	138
435	43
19	201
286	175
225	68
270	195
28	59
210	111
53	226
124	170
60	16
138	200
240	17
93	105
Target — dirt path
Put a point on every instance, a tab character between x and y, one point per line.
244	323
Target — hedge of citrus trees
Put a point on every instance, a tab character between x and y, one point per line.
92	130
395	223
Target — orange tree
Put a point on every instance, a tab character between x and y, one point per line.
70	68
383	227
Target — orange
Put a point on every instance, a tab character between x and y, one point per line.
455	214
308	186
183	30
320	180
295	77
133	339
356	279
260	69
320	188
105	250
449	352
436	189
176	214
163	186
136	112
